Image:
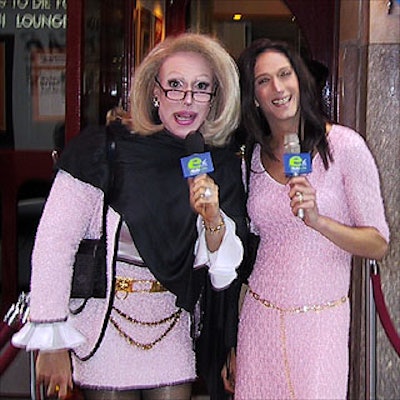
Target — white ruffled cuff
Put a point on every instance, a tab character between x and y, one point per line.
223	262
47	336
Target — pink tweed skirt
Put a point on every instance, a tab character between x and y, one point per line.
146	344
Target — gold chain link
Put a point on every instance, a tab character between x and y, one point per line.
173	319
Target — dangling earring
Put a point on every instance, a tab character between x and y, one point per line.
156	102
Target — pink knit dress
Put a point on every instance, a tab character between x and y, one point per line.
294	323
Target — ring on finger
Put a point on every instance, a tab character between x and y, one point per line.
207	193
57	388
300	196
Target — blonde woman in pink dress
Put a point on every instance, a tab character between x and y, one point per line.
172	243
294	322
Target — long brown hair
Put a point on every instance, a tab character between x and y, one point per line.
254	126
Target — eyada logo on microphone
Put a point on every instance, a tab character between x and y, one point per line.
297	164
196	164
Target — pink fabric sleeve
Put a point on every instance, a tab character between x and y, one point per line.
68	216
361	181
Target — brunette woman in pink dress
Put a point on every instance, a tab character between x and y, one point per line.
293	340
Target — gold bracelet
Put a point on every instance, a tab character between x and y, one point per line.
215	229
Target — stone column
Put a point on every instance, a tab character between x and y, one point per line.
369	101
383	137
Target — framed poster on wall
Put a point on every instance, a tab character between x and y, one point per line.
143	33
48	81
148	32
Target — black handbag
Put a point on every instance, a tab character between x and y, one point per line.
89	277
90	266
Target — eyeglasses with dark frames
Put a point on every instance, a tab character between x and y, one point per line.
179	95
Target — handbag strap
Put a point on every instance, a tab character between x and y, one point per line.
110	156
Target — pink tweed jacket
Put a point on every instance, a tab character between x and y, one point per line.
53	257
65	221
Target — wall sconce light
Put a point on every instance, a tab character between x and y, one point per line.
237	17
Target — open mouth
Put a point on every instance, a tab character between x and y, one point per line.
185	117
281	102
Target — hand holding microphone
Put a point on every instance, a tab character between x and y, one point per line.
204	195
296	163
197	161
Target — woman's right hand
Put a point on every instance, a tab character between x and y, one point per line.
228	373
53	369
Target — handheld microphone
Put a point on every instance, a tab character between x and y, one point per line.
295	162
197	162
194	143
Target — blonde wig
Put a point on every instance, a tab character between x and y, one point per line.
224	114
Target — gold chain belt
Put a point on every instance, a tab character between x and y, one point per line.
171	319
301	309
130	285
294	310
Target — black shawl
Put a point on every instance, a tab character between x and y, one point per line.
152	196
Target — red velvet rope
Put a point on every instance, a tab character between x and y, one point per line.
8	355
383	311
5	333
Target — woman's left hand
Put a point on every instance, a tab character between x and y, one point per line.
204	198
303	196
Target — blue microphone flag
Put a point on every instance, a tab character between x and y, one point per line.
196	164
297	164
